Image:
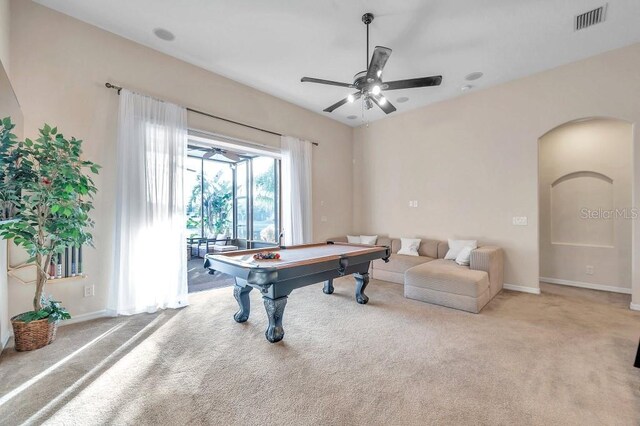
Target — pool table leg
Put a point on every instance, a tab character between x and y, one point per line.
362	280
241	293
275	312
328	287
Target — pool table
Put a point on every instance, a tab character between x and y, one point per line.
297	267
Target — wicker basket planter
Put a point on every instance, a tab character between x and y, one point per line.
29	336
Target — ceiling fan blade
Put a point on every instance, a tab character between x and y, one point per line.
209	153
385	105
413	82
329	82
378	61
342	102
231	156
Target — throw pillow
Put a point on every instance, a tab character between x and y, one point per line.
464	257
409	246
368	239
456	246
353	239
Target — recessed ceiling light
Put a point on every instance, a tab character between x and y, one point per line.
164	34
352	117
474	76
402	99
466	88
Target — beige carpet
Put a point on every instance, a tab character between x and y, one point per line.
564	357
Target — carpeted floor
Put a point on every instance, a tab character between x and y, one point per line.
564	357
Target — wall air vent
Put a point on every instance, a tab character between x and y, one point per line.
590	18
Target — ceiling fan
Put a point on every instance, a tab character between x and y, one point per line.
369	84
211	152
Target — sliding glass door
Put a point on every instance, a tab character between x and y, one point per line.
238	199
265	200
193	202
209	193
242	200
217	198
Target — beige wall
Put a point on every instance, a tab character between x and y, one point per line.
575	161
4	33
472	162
59	67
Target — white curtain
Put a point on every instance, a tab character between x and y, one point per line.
296	190
150	264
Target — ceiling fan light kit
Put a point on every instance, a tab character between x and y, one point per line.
369	84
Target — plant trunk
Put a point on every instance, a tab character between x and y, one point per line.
41	280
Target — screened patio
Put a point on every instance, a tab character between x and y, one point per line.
232	201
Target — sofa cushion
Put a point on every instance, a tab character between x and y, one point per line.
400	263
443	248
428	248
384	241
447	276
409	246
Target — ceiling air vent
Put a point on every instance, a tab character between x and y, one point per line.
590	18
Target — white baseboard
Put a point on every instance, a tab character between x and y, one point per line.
586	285
6	340
84	317
521	288
634	306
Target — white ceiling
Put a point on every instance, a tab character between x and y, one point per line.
270	45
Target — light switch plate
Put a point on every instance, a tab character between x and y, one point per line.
520	221
323	219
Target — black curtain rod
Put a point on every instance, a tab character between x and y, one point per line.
118	88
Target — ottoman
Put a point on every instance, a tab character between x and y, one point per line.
444	282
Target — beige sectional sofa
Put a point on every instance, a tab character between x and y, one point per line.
432	279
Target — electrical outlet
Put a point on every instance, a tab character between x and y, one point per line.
323	219
89	291
589	270
520	221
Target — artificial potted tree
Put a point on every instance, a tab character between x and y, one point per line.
51	189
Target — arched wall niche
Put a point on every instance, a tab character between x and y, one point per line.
585	187
580	205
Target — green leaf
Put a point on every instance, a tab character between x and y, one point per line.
55	208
